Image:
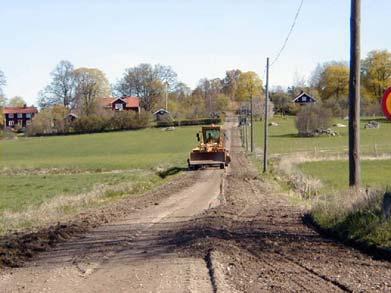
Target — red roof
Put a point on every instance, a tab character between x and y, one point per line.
131	102
20	110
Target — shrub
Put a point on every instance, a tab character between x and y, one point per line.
130	120
49	121
91	123
311	118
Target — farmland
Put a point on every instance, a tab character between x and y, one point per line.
284	139
333	173
39	170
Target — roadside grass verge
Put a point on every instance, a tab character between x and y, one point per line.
317	169
354	218
44	179
35	211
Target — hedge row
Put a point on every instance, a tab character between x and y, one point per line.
204	121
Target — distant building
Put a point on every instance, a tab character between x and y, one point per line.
121	104
162	115
18	116
71	117
303	98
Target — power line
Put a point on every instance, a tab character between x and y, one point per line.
289	34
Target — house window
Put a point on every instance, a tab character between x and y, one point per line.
20	122
119	107
11	116
28	122
28	115
11	123
20	115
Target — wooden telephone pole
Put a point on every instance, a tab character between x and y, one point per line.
252	125
354	95
266	126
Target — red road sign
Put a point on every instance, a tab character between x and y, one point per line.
386	103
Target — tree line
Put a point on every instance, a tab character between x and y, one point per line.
330	83
79	89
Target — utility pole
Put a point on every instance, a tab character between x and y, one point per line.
354	95
252	128
266	127
246	129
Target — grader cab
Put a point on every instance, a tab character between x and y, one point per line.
211	149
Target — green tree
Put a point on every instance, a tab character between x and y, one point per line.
16	101
376	73
91	84
333	81
249	85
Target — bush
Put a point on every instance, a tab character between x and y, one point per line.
311	118
125	120
90	124
49	121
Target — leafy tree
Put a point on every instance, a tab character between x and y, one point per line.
91	84
333	81
221	102
376	73
16	101
61	90
249	85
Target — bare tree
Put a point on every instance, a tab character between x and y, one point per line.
147	82
3	82
61	89
230	82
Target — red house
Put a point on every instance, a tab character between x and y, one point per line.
122	104
20	116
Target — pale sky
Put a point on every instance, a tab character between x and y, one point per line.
198	38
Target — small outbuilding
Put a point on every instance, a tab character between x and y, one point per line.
162	115
71	117
303	99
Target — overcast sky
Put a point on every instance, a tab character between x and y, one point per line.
198	38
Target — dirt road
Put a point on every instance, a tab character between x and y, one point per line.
193	240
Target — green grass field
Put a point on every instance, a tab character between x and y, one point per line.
284	139
334	174
34	171
347	215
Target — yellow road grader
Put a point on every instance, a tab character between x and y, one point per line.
211	149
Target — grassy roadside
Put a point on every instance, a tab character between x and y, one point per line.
354	218
46	178
323	182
